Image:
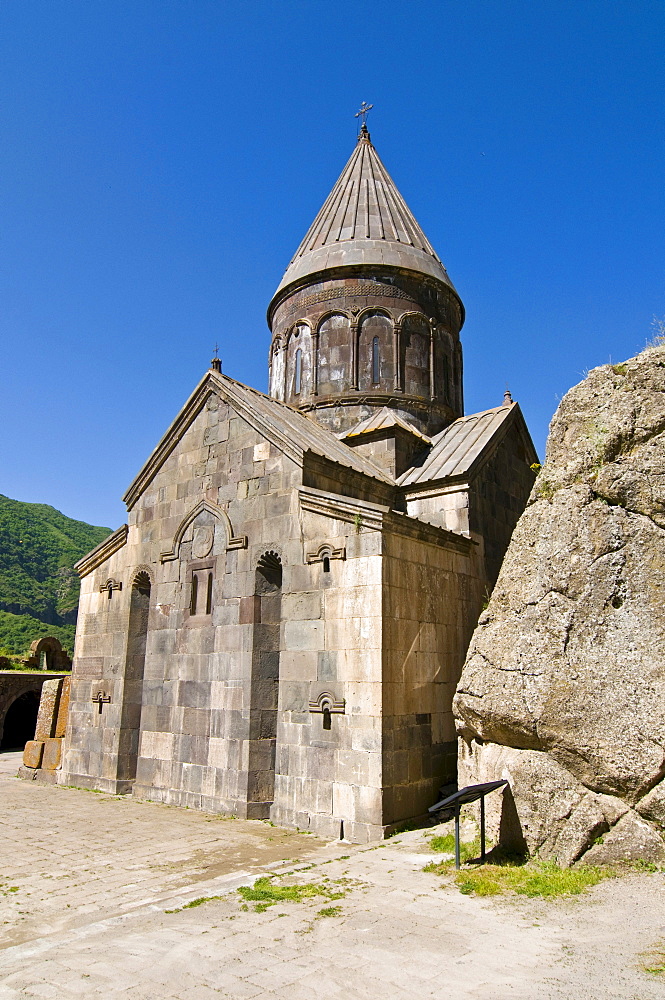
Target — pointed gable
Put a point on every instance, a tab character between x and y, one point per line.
288	429
463	445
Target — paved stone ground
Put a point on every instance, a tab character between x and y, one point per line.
88	881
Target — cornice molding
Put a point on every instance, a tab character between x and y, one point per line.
102	552
379	518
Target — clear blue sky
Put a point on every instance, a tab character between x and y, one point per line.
162	160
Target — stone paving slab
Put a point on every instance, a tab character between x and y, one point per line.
96	876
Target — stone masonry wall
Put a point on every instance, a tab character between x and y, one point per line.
329	780
432	597
497	497
196	687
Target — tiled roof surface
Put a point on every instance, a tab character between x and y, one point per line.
364	220
380	420
455	449
300	431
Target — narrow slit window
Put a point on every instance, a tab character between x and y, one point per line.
326	564
298	378
209	595
375	360
194	595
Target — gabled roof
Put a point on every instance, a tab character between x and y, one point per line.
287	428
456	448
364	220
381	420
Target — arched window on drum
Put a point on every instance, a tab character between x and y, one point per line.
415	344
299	363
375	352
334	355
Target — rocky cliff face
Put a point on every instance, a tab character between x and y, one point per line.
563	690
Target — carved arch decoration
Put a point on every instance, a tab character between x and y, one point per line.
294	331
333	312
270	560
414	314
232	541
373	311
327	702
109	586
142	577
325	551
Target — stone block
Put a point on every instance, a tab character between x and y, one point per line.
249	610
63	707
302	607
195	721
194	694
301	635
367	805
343	804
48	709
158	745
32	753
52	754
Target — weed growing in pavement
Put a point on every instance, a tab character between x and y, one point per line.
330	911
193	903
199	901
265	893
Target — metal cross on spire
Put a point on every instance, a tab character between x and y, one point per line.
364	108
216	363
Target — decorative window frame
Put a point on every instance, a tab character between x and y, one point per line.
198	568
232	541
327	702
325	551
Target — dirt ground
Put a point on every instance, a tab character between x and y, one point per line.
94	892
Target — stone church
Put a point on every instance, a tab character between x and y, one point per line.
278	630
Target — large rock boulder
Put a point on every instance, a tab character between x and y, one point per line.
563	690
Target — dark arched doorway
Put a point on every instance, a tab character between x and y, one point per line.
265	683
20	721
130	723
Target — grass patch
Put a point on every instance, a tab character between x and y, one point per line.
640	865
543	879
265	893
193	903
199	901
330	911
446	845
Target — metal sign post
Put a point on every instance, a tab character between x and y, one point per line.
470	793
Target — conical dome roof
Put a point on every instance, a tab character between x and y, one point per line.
364	220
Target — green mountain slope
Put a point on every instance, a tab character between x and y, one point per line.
38	587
